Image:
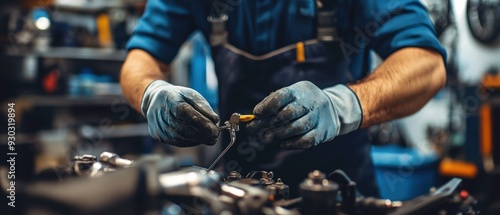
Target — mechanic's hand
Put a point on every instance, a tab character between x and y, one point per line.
178	115
302	115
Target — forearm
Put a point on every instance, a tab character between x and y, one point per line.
138	71
406	80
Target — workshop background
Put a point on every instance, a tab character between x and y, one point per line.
60	62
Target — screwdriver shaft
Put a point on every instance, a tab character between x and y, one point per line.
233	139
221	155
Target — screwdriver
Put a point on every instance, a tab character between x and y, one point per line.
232	125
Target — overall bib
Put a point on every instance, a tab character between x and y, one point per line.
245	80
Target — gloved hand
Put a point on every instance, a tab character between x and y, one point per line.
302	115
178	115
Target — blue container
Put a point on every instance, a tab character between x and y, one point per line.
403	173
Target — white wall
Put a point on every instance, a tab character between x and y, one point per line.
473	58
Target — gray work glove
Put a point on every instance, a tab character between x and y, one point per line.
302	115
179	116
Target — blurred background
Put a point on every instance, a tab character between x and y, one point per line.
60	62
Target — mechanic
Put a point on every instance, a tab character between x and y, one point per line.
313	93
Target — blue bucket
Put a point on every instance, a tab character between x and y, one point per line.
403	173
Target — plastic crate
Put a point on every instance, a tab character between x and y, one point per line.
403	173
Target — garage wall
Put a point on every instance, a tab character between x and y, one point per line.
473	58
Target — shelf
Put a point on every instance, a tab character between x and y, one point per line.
71	53
68	101
118	131
94	5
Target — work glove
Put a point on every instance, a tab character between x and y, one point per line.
179	116
302	115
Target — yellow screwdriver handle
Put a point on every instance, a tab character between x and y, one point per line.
246	118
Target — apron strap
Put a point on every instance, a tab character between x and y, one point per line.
218	18
327	31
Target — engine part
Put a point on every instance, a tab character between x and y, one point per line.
266	177
114	160
318	194
232	176
82	164
184	182
249	199
278	191
154	182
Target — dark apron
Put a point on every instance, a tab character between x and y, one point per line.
244	80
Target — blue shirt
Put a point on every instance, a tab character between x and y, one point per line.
261	26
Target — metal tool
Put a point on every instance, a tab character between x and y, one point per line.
89	165
232	125
82	164
114	160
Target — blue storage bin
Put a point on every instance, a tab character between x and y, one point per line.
403	173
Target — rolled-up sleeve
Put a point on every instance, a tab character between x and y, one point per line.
396	24
165	25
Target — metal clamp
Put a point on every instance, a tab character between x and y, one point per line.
219	33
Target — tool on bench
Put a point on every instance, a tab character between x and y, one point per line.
232	125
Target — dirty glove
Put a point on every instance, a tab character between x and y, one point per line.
302	115
178	115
